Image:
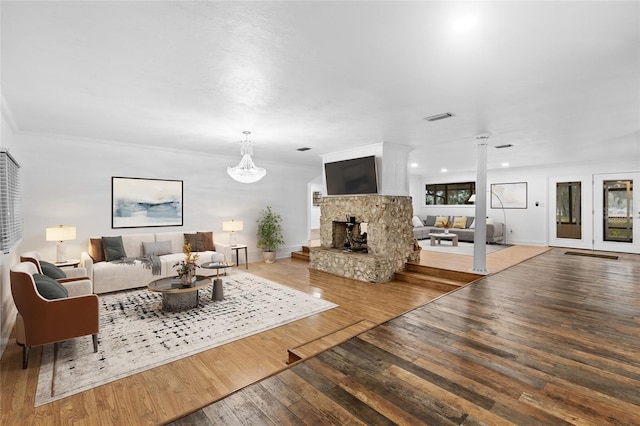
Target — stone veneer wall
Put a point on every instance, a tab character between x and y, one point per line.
389	237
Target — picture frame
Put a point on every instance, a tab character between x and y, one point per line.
509	195
142	202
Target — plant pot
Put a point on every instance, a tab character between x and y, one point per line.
269	256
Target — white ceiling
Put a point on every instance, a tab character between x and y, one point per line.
558	80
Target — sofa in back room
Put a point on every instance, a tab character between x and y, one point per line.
117	275
463	226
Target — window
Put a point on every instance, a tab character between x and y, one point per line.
10	205
449	193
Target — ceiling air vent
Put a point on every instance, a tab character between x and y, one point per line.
439	116
304	148
506	145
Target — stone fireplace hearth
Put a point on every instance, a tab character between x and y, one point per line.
389	237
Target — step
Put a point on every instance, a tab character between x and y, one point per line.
436	278
465	277
300	255
436	283
328	341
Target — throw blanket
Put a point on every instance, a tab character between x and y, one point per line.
148	261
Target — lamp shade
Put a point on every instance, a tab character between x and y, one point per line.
232	225
61	233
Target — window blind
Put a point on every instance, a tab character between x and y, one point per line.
10	202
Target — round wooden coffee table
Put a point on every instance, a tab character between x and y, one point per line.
175	296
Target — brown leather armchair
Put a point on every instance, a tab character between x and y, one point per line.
50	321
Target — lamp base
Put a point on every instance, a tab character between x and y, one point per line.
232	239
61	254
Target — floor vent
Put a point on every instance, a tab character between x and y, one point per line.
601	256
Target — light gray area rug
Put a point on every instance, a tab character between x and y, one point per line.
136	335
463	248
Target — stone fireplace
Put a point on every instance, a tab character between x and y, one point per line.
381	237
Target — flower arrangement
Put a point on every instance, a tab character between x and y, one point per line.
187	266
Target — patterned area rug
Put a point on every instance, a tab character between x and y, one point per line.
463	248
136	335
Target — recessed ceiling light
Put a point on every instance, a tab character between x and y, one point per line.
506	145
443	170
465	23
414	165
304	148
505	164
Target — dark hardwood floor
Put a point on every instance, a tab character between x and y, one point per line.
553	340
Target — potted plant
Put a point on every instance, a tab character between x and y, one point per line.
270	236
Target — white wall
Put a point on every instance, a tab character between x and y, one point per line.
524	226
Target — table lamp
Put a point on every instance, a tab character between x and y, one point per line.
232	226
61	234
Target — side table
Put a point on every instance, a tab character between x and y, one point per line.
237	248
70	262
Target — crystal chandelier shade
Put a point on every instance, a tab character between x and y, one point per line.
246	171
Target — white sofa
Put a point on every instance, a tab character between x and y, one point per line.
112	276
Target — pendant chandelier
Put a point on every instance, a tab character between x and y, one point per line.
246	171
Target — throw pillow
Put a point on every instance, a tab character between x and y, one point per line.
441	221
51	270
113	248
158	248
431	221
97	250
416	221
49	288
473	224
489	221
469	221
460	222
206	238
191	239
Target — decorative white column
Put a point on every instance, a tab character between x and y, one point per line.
480	233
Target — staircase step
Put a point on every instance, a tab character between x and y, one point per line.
321	344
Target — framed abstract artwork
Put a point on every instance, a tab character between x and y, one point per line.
509	195
141	203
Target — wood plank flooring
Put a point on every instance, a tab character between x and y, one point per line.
551	341
171	391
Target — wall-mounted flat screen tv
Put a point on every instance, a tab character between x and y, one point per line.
351	177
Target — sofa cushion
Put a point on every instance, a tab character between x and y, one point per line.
156	247
49	288
113	248
430	221
52	271
206	239
416	221
469	222
97	250
191	239
460	222
441	221
473	224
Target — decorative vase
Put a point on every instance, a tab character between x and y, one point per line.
446	230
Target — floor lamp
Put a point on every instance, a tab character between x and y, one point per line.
472	200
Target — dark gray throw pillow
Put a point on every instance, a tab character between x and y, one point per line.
51	270
49	288
113	248
430	221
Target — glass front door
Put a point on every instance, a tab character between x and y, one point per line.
616	208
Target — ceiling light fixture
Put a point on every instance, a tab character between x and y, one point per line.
440	116
246	171
443	170
506	145
304	148
465	23
414	165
